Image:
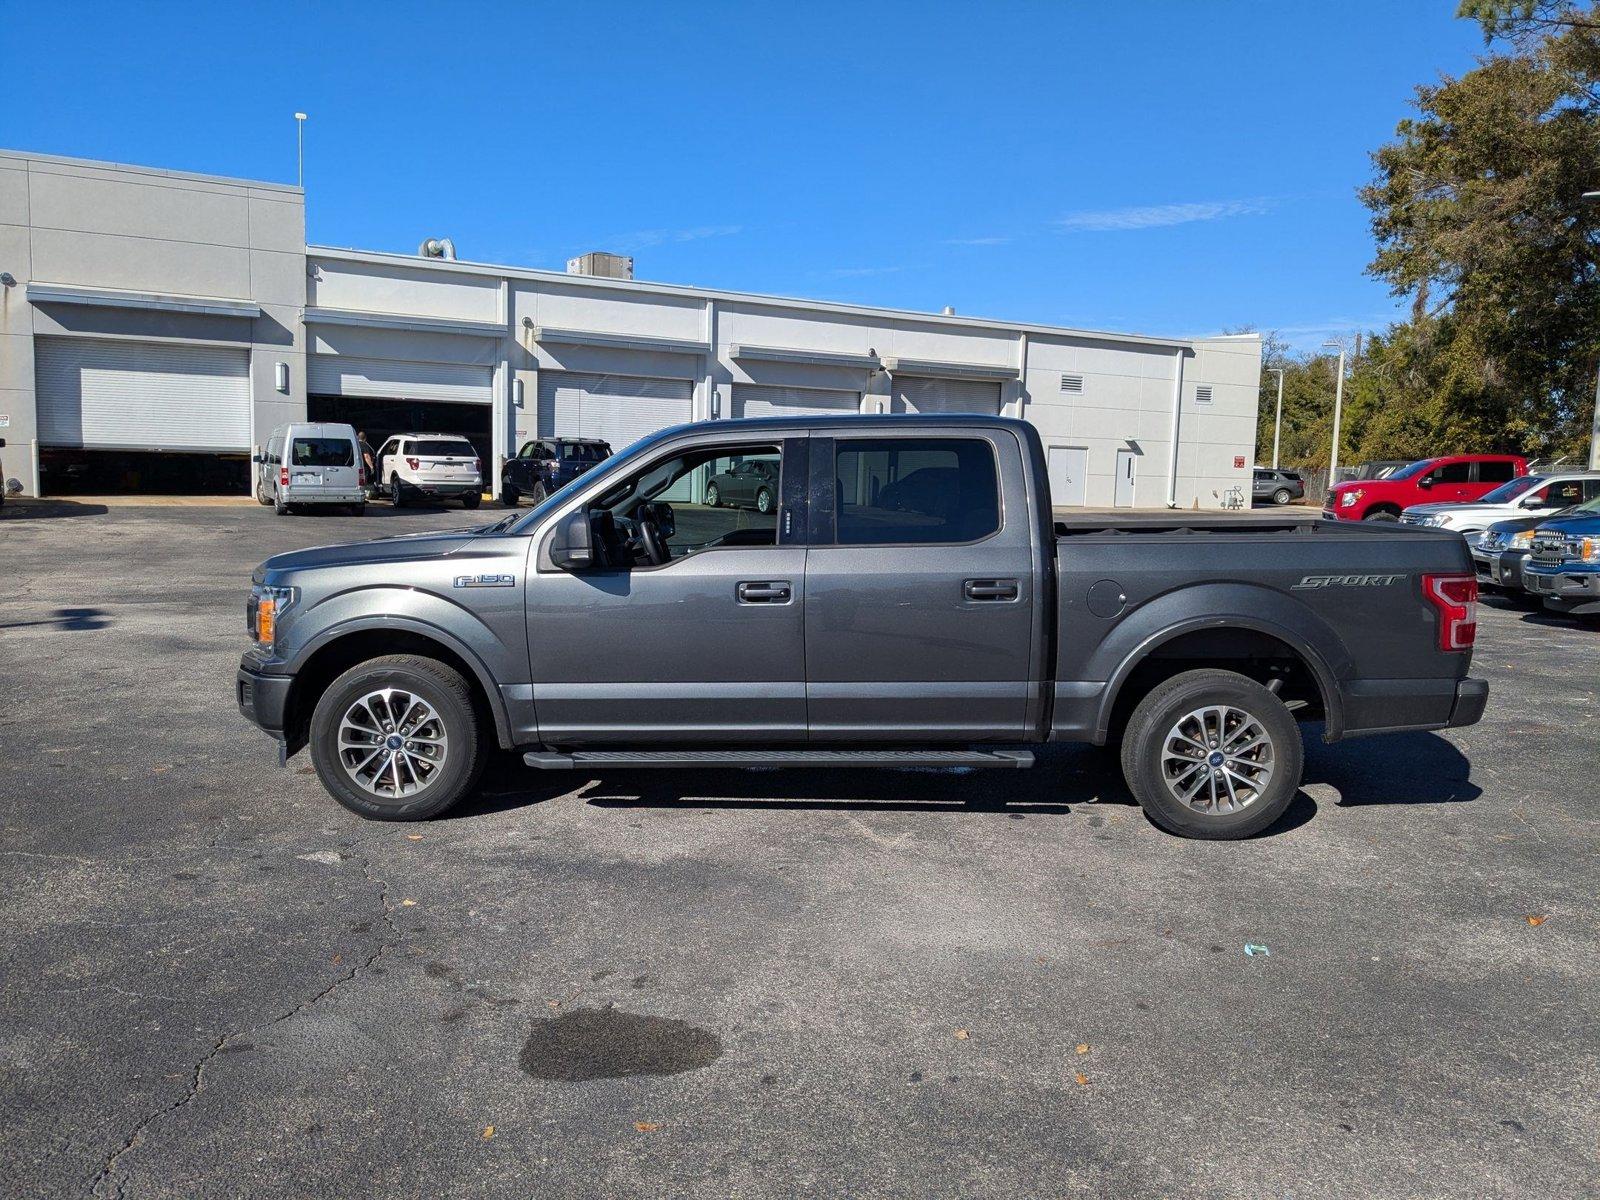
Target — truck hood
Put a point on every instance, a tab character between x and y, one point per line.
1459	509
400	548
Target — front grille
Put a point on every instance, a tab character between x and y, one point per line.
1555	549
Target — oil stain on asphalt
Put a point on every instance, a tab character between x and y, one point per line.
607	1043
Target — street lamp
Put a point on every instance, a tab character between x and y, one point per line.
1338	413
1277	425
300	142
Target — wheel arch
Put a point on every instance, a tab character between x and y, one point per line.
338	649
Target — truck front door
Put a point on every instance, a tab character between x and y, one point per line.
699	640
920	588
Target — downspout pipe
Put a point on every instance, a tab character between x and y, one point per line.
1172	450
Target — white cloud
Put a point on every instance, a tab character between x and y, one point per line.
1157	216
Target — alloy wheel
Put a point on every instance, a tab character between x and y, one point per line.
392	743
1217	760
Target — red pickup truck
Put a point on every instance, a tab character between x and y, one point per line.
1453	477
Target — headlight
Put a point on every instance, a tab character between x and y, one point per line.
1521	541
267	606
1588	549
1348	499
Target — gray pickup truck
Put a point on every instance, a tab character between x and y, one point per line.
910	600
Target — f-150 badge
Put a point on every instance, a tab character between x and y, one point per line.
473	581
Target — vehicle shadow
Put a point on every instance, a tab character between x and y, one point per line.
49	509
70	620
1546	619
1066	778
1394	768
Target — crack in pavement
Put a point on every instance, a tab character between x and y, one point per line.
104	1185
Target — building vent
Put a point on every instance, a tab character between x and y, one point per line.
1202	394
598	262
1072	383
438	248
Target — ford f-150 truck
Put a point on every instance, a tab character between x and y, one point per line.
1563	569
625	623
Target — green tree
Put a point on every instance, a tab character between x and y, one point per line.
1479	223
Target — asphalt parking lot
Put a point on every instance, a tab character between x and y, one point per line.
218	983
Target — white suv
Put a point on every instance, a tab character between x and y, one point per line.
1525	496
429	464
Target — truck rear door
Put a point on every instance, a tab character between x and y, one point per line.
920	587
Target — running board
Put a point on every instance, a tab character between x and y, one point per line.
549	760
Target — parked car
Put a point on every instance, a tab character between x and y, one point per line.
311	463
430	464
1500	551
1563	567
547	465
749	483
1454	477
598	633
1526	495
1276	485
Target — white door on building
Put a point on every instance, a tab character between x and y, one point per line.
113	394
619	409
1127	469
1069	475
921	395
760	400
392	379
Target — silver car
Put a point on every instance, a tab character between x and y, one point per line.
311	463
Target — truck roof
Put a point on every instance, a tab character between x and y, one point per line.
854	421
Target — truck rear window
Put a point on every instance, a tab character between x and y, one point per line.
444	449
322	452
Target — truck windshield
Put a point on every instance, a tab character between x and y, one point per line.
322	452
1507	492
1410	469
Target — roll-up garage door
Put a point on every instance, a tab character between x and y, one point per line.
759	400
922	395
391	379
141	395
618	409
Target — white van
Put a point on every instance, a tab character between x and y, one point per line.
311	463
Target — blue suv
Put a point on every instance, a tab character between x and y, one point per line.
1563	568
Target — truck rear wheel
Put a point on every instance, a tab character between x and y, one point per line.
1212	754
397	739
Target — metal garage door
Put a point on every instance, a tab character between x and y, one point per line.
141	395
618	409
753	400
389	379
921	395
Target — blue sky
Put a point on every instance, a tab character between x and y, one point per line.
1170	167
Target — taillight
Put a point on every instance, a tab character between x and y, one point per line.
283	476
414	463
361	475
1456	598
477	465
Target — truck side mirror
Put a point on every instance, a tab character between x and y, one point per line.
1536	502
1425	482
572	546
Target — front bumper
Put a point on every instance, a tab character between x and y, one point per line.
1500	568
1564	589
264	699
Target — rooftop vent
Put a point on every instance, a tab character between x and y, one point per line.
598	262
438	248
949	310
1072	383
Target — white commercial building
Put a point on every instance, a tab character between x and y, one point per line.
153	317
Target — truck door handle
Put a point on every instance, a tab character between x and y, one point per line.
767	591
991	589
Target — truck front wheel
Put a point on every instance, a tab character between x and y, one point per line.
396	738
1212	754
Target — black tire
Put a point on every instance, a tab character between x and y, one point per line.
440	686
261	497
1281	496
713	495
764	501
278	506
539	494
1381	516
1160	713
397	494
509	496
472	500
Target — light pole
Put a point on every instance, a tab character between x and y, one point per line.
300	145
1277	425
1338	413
